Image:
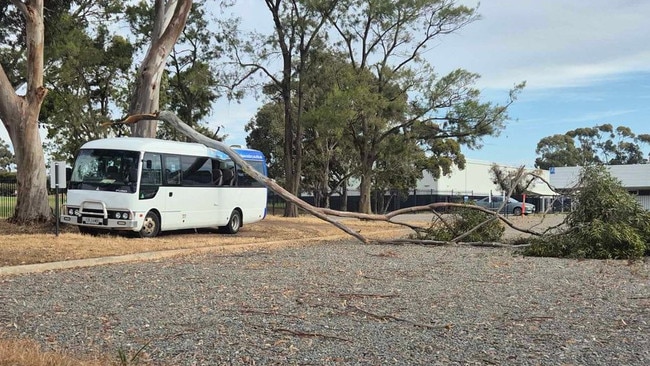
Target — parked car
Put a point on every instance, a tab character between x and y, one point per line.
512	206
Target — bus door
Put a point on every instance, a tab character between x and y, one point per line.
197	191
154	190
173	209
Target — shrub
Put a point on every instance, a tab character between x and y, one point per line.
463	220
607	222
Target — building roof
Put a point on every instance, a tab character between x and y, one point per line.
632	176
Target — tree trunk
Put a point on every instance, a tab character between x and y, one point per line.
32	204
364	193
344	196
171	16
290	210
19	115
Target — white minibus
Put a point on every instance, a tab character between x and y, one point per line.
147	185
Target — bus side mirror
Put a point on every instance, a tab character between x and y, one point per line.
148	164
133	175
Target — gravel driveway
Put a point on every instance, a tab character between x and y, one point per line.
343	303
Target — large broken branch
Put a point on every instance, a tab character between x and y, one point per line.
322	213
172	119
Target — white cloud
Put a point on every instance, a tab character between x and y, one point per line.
550	43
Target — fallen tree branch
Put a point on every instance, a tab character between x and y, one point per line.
172	119
325	213
355	295
389	317
308	334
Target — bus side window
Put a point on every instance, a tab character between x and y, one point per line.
173	170
151	170
245	180
151	178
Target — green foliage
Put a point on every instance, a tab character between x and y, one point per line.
464	220
6	157
265	133
608	223
601	144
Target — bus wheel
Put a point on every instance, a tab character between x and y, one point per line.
151	225
234	224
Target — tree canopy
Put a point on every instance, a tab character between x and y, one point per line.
380	93
601	144
353	96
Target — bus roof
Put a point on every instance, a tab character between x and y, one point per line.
169	147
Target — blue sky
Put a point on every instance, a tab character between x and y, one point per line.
585	63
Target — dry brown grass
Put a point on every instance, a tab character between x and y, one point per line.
26	352
38	244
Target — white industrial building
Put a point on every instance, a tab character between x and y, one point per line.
635	178
473	182
476	180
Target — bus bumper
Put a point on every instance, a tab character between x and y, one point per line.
99	222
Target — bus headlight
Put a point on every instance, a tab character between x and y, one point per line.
124	215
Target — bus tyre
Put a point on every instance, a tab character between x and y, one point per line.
233	224
151	225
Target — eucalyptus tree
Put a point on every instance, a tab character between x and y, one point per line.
558	150
22	89
297	24
169	17
386	39
399	166
600	144
21	95
191	78
326	150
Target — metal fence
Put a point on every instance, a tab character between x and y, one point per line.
395	200
388	202
8	190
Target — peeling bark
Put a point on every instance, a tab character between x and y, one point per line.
19	114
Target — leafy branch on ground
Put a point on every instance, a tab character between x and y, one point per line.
607	222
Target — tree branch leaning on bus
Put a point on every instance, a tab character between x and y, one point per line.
321	213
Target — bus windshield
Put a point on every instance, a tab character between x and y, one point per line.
105	170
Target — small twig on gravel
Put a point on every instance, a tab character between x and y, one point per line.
535	318
353	295
253	311
390	317
307	334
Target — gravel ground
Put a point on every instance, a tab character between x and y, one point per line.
343	303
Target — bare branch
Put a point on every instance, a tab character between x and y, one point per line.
328	214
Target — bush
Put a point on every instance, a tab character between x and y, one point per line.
608	223
464	219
